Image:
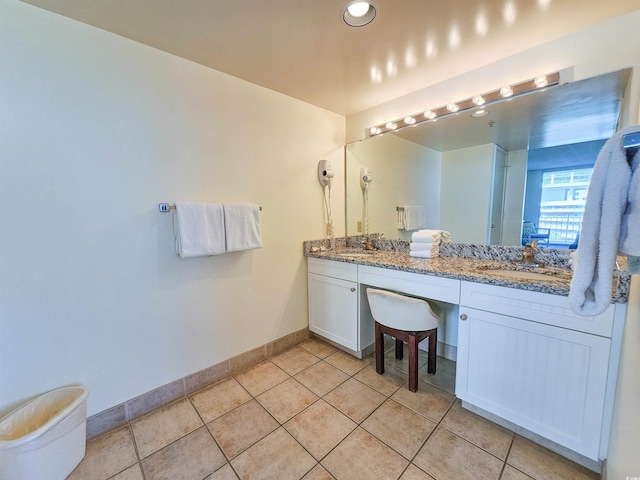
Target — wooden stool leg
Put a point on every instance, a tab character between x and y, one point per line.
431	359
399	349
413	363
379	349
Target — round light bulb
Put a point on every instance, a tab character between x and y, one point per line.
452	107
478	100
541	81
506	91
409	120
358	9
430	114
392	125
374	130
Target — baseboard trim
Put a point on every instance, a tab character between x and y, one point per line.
129	410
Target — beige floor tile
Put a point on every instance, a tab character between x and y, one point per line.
163	426
224	473
481	432
318	473
319	428
276	456
131	473
295	360
260	378
399	427
287	399
362	456
542	464
106	456
219	398
402	365
430	401
240	428
321	378
387	383
445	376
318	348
348	363
414	473
190	458
355	399
446	456
510	473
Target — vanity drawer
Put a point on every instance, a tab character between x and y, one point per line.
535	306
426	286
331	268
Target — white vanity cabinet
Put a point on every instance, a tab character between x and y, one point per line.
527	358
333	301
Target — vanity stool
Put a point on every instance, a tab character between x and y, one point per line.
407	319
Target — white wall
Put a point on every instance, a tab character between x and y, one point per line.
95	131
465	193
404	173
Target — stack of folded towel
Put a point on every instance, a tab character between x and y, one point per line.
426	243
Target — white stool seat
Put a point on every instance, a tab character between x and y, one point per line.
401	312
408	319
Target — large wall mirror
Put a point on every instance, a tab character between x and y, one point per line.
522	168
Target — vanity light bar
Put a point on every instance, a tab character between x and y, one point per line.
507	91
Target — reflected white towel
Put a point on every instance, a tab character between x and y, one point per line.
590	291
411	217
430	236
199	229
242	226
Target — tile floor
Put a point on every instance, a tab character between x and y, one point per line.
315	413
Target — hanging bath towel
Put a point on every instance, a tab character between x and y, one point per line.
590	292
242	226
199	229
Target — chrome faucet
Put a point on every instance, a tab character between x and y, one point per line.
528	258
367	242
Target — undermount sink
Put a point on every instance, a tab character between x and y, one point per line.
355	254
548	274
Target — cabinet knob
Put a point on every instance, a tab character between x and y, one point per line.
463	317
353	289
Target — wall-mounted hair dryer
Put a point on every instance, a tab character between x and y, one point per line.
365	178
325	173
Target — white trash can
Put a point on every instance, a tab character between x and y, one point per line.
45	438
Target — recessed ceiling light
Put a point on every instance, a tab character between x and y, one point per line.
359	13
481	112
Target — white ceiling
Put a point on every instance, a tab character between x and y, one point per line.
303	49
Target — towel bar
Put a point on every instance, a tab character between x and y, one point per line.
167	207
631	140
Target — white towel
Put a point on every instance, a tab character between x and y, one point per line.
590	291
242	226
423	245
630	228
432	253
411	217
430	236
199	229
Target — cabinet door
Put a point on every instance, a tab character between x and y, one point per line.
333	309
549	380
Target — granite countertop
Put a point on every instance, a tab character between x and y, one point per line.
492	265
